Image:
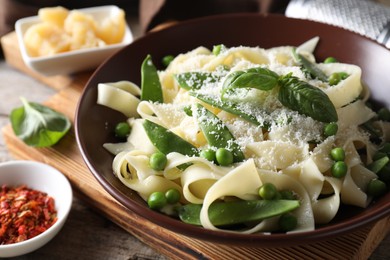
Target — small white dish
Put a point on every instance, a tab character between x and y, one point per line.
71	61
44	178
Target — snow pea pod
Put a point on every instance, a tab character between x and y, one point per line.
378	165
226	106
237	212
216	132
150	82
310	67
194	80
166	141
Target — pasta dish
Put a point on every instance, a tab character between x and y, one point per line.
247	139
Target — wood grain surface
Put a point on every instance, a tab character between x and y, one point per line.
66	157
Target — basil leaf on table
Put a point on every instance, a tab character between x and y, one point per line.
38	125
306	99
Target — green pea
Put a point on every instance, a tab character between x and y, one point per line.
376	188
384	114
268	191
334	79
172	196
187	110
287	195
331	129
158	161
122	130
330	60
339	169
208	154
224	157
217	49
287	222
157	200
343	75
337	154
166	60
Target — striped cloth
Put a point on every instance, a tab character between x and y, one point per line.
368	18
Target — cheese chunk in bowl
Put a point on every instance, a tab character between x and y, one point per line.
62	41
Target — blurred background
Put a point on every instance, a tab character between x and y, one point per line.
367	17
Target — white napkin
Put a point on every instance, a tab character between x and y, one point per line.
366	17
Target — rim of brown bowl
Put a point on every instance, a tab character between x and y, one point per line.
232	30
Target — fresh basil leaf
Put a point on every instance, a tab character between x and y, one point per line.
194	80
306	99
150	82
258	78
310	67
38	125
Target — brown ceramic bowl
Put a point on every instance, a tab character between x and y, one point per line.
94	123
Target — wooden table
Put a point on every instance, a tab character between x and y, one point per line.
87	234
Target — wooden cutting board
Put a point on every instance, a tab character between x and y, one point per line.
66	157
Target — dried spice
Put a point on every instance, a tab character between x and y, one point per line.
24	213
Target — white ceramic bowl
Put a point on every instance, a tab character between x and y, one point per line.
44	178
71	61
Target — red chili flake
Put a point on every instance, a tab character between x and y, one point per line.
24	213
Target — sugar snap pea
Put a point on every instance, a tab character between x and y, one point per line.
310	67
150	82
194	80
376	166
166	141
216	132
236	212
231	108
